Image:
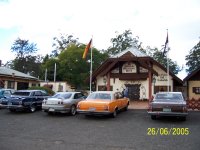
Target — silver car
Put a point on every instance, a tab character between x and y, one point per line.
63	102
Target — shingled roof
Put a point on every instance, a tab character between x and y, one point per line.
10	72
134	50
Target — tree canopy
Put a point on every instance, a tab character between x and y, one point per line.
22	48
71	67
158	56
193	58
123	41
25	60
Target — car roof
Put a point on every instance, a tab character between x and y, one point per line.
28	90
108	92
67	92
169	93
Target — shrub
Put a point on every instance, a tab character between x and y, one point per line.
48	90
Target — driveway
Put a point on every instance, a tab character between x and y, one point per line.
131	130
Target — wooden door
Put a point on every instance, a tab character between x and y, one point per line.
133	91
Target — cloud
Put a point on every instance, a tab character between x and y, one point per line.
41	20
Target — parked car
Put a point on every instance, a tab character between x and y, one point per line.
63	102
4	94
26	100
168	104
103	103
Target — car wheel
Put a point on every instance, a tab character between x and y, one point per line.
73	110
12	110
183	118
32	108
126	108
114	114
153	117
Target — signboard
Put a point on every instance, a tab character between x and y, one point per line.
162	77
129	67
143	70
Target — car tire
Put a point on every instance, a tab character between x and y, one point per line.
73	110
126	108
183	118
114	114
32	108
12	110
153	117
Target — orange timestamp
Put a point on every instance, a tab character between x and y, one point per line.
168	131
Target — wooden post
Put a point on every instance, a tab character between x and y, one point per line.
150	85
108	81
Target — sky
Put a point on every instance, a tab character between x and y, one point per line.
40	20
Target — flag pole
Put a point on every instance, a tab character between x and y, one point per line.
45	75
55	73
167	47
167	71
91	69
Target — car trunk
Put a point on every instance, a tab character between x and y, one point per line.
167	106
53	101
97	105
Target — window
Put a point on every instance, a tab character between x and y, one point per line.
7	93
196	90
37	93
11	85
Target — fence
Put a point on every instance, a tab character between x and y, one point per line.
193	104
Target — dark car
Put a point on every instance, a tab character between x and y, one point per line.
29	100
4	95
168	104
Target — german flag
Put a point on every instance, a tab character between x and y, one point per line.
87	49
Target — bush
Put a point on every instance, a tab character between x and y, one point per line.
48	90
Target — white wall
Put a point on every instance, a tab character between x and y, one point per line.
65	86
119	85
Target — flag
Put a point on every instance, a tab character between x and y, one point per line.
166	46
87	49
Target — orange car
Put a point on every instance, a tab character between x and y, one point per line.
103	103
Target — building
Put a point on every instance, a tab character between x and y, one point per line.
132	69
13	79
58	86
192	81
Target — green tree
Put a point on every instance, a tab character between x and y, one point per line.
193	58
122	42
74	69
158	56
49	64
25	60
23	48
61	42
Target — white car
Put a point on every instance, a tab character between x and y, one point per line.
62	102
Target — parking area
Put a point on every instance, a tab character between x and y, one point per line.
131	130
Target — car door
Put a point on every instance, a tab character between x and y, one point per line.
38	98
118	100
78	97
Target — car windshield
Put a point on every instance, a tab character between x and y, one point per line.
21	93
62	95
168	96
104	96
